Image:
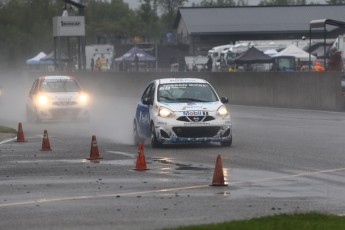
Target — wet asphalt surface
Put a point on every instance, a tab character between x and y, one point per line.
281	161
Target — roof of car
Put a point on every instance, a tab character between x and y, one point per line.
181	80
56	78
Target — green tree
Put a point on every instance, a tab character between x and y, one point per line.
148	20
217	3
282	2
109	20
26	28
169	10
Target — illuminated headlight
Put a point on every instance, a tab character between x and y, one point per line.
222	111
165	112
42	100
83	98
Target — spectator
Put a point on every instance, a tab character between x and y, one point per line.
209	63
92	64
335	62
64	12
136	60
318	67
98	64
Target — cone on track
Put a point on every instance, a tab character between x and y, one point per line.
218	175
94	153
45	142
20	133
140	164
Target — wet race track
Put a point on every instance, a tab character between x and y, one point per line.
281	161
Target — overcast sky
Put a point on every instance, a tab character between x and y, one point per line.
135	3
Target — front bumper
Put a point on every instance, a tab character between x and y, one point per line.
63	113
179	132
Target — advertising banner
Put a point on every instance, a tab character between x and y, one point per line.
69	26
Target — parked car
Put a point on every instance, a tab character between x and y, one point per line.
57	98
179	110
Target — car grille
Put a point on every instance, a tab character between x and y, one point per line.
195	118
64	113
195	132
64	103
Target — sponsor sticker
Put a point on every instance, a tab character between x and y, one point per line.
196	123
195	113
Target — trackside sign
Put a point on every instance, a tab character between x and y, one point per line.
69	26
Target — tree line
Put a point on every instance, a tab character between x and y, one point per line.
26	25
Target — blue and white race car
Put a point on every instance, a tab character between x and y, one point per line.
178	110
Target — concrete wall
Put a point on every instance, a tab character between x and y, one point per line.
301	90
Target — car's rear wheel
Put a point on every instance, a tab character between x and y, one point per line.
136	137
154	142
226	143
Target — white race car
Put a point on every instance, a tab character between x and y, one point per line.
175	110
57	98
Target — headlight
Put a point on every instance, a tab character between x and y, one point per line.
165	112
83	98
222	111
42	100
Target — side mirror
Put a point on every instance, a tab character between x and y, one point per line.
224	100
147	101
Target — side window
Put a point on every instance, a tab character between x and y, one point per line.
152	92
147	91
34	87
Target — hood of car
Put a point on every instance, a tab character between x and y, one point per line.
192	106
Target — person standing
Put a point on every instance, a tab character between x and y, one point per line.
92	64
318	67
335	62
64	12
209	63
136	62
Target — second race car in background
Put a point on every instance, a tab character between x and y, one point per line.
57	98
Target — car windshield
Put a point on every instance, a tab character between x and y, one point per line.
65	85
186	92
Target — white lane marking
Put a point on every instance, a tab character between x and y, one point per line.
165	190
8	140
123	153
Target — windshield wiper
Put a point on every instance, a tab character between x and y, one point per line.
186	99
167	98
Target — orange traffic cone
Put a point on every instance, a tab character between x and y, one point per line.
94	153
20	133
218	175
140	165
45	142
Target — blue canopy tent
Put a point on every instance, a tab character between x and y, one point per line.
128	60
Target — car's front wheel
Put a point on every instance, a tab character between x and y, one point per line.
226	143
32	116
154	142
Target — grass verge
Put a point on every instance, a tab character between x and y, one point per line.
7	130
306	221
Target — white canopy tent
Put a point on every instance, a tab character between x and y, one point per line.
36	59
293	50
271	52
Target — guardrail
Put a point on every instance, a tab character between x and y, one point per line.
299	90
